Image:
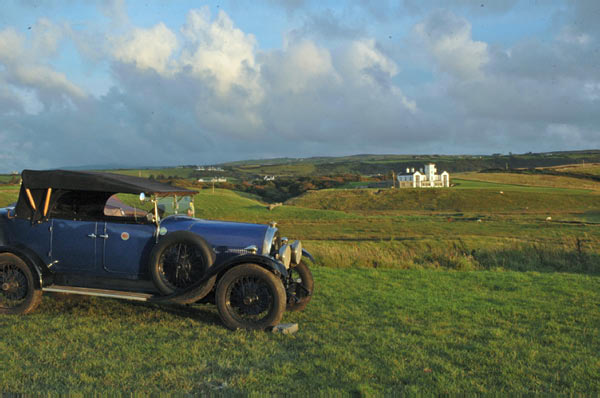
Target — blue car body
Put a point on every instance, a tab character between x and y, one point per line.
98	248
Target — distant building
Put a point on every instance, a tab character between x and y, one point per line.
209	168
269	178
214	179
424	178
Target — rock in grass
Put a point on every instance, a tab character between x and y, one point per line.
285	328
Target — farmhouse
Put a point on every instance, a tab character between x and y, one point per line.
424	178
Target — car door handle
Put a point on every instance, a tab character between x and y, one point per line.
93	236
105	236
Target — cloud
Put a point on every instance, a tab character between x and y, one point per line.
115	10
24	67
218	50
146	48
448	39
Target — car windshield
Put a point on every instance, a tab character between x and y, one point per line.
171	205
126	206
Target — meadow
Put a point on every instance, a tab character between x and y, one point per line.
417	291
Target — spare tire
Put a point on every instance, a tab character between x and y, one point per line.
178	261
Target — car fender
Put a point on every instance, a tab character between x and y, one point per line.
31	259
305	253
219	269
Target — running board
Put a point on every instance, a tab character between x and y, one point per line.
98	292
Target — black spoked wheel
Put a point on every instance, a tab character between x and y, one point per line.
181	265
179	261
250	297
18	294
301	286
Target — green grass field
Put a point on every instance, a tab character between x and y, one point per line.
532	182
366	331
417	291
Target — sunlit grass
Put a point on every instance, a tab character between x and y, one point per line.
412	295
365	331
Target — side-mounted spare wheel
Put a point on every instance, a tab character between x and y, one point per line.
178	261
18	292
250	297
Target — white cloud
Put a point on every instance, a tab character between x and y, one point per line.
300	66
22	66
217	49
147	48
46	37
448	39
362	57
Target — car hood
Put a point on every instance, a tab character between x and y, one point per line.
220	233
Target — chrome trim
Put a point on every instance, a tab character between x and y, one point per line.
285	255
99	293
305	253
284	240
252	249
268	242
296	252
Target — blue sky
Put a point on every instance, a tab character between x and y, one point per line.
195	82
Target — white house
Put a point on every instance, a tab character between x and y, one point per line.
424	178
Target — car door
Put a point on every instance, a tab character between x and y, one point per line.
73	245
126	247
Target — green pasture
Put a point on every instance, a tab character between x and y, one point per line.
583	169
485	197
460	183
366	331
417	291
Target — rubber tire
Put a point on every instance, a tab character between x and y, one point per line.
182	237
307	282
275	285
34	294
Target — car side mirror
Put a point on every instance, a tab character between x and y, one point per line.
142	197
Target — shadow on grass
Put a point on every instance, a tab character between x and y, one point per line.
72	303
205	313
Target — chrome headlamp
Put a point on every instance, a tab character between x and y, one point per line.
296	252
285	255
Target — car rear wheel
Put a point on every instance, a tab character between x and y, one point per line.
250	297
18	294
179	261
301	286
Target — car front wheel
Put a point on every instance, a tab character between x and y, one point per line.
18	294
250	297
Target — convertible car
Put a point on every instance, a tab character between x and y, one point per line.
111	235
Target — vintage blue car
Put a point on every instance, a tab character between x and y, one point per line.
78	232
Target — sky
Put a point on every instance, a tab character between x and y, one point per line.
157	82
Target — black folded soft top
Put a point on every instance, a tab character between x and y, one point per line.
97	181
41	189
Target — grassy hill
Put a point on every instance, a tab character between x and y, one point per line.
581	170
475	197
526	180
372	164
